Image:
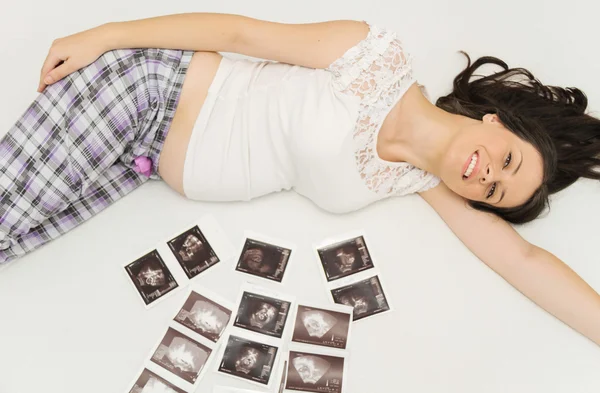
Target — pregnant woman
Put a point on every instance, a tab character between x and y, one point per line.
334	113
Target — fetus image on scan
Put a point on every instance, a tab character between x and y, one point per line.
360	303
263	259
156	386
208	318
263	316
310	368
318	323
247	361
190	247
344	259
148	382
254	260
152	275
193	252
181	355
185	357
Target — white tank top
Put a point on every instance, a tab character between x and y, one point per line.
267	126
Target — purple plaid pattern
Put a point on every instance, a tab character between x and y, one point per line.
72	153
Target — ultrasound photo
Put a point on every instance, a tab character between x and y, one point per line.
248	359
151	277
345	258
317	326
181	355
365	296
148	382
309	372
264	260
193	252
262	314
204	316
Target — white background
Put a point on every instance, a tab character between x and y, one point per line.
69	321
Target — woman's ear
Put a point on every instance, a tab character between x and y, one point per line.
490	118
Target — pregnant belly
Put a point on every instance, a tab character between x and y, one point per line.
200	74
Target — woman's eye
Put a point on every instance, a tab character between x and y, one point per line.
508	159
492	190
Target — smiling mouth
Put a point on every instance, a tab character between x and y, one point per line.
470	166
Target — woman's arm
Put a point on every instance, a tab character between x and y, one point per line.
189	31
533	271
314	45
198	31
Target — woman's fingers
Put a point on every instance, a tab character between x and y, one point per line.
49	75
55	75
71	53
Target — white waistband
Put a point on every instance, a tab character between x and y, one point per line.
223	71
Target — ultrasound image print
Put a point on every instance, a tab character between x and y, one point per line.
309	372
203	316
264	260
365	296
181	355
151	276
148	382
248	359
193	252
262	314
345	258
321	327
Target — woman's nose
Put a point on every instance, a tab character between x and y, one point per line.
486	175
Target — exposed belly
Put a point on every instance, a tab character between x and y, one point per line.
200	74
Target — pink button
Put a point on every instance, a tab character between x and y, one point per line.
143	165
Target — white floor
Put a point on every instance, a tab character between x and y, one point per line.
69	321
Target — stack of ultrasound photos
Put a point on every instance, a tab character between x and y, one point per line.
265	332
170	265
256	336
185	351
350	275
261	330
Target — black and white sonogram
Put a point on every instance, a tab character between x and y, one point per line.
148	382
365	296
151	276
309	372
262	314
345	258
181	355
264	260
203	316
317	326
193	252
248	359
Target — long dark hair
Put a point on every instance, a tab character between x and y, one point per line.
551	118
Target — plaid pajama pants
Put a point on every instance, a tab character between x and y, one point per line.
77	147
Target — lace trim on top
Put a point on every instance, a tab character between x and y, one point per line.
378	72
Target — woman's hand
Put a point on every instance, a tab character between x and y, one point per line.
71	53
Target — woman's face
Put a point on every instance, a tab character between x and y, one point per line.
503	170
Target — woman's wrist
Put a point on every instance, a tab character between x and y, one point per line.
108	36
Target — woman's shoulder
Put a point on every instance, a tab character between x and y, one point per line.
372	65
